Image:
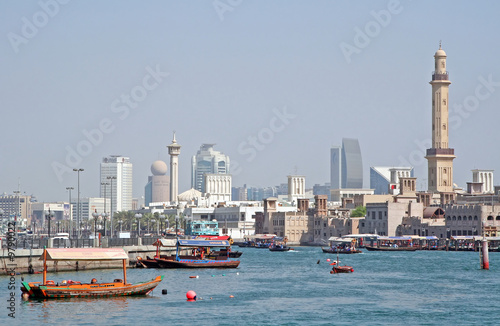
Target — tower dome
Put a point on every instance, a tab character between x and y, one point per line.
159	168
440	52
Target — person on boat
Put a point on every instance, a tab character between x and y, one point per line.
93	281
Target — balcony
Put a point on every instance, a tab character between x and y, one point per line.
440	151
436	76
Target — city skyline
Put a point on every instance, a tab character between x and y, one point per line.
261	81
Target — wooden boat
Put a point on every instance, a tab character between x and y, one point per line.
341	246
369	248
196	261
279	247
341	269
71	289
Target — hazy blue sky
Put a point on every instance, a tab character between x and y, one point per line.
298	76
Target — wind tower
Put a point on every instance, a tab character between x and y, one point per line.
440	156
174	150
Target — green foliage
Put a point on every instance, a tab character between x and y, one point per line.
359	211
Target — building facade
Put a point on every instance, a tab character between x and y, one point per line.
385	180
116	183
486	178
207	161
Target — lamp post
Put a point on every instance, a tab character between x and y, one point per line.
111	178
104	218
96	217
70	210
138	217
48	217
176	223
104	184
78	205
162	218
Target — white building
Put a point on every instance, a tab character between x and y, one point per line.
486	178
296	187
217	188
116	183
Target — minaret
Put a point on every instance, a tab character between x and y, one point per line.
440	157
174	150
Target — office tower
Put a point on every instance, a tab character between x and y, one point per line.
207	161
335	167
440	156
116	183
352	164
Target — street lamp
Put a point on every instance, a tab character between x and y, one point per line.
96	217
176	222
78	206
48	216
138	217
111	178
70	210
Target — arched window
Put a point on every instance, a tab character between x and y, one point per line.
459	218
475	218
498	218
470	218
454	218
490	218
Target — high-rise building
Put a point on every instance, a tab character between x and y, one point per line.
346	165
207	161
116	183
336	167
440	156
158	187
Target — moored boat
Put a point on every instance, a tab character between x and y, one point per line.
73	289
199	260
341	246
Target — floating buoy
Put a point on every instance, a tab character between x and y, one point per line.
193	276
328	259
352	270
237	273
231	296
25	296
191	295
164	291
331	272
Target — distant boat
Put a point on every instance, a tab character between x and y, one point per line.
76	289
341	246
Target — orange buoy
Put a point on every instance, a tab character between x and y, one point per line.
231	296
328	259
191	295
193	276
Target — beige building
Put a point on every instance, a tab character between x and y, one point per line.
440	156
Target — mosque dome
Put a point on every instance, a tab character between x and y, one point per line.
159	168
440	53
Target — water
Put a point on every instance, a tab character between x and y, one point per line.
290	288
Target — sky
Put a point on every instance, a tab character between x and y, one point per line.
274	84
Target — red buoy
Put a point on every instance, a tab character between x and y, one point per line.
191	295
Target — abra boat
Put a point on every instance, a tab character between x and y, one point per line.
202	246
402	243
72	289
340	269
341	246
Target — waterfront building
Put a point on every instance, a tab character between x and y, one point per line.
60	221
296	187
466	219
116	183
440	156
158	186
207	161
16	207
385	180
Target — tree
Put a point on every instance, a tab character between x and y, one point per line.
359	211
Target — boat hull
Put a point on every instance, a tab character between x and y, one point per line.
333	251
342	269
198	263
390	248
279	249
114	289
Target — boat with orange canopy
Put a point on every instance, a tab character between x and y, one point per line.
70	289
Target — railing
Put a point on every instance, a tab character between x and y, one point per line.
436	76
440	151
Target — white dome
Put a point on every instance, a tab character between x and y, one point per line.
159	168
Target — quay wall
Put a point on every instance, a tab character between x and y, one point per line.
25	257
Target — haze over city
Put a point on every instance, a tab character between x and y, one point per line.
273	84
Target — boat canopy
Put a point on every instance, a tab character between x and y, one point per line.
204	243
362	235
263	236
462	237
81	254
164	243
395	238
346	240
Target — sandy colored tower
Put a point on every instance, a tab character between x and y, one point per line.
174	150
440	156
